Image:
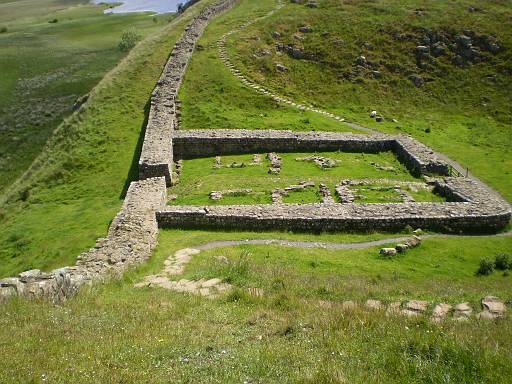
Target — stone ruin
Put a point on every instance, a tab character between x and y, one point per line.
132	236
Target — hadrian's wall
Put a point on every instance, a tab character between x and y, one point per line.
188	144
157	156
479	210
133	233
130	240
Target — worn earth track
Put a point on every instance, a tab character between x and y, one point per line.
492	307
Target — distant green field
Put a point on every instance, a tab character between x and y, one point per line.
47	66
199	177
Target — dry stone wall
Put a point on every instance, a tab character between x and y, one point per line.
419	158
479	210
156	157
130	240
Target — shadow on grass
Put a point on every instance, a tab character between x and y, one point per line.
133	173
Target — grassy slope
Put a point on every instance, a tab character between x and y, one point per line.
75	187
468	116
198	177
117	333
47	66
216	99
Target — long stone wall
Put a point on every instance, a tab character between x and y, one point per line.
130	240
157	156
188	144
480	210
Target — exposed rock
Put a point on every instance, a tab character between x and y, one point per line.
440	312
281	68
413	241
215	195
493	308
361	61
388	251
415	307
305	29
374	304
462	311
401	248
373	114
417	80
276	35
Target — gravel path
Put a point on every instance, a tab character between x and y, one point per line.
327	245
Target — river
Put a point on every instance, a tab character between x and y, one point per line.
157	6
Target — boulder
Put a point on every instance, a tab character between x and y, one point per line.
388	251
462	311
417	80
464	41
305	29
440	311
361	61
281	68
401	248
413	241
373	114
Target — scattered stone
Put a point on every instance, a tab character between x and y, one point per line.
281	68
393	308
440	312
493	308
462	311
413	241
374	304
344	193
417	80
321	162
378	119
218	162
361	61
415	307
401	248
215	195
324	191
373	114
305	29
388	251
275	163
276	35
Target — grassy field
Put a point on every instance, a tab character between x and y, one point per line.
115	333
75	187
461	111
216	99
47	66
199	177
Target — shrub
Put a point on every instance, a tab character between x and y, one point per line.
486	267
3	29
53	21
128	40
503	262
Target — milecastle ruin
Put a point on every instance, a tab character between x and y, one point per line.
133	234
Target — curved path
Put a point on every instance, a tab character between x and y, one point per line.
223	54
